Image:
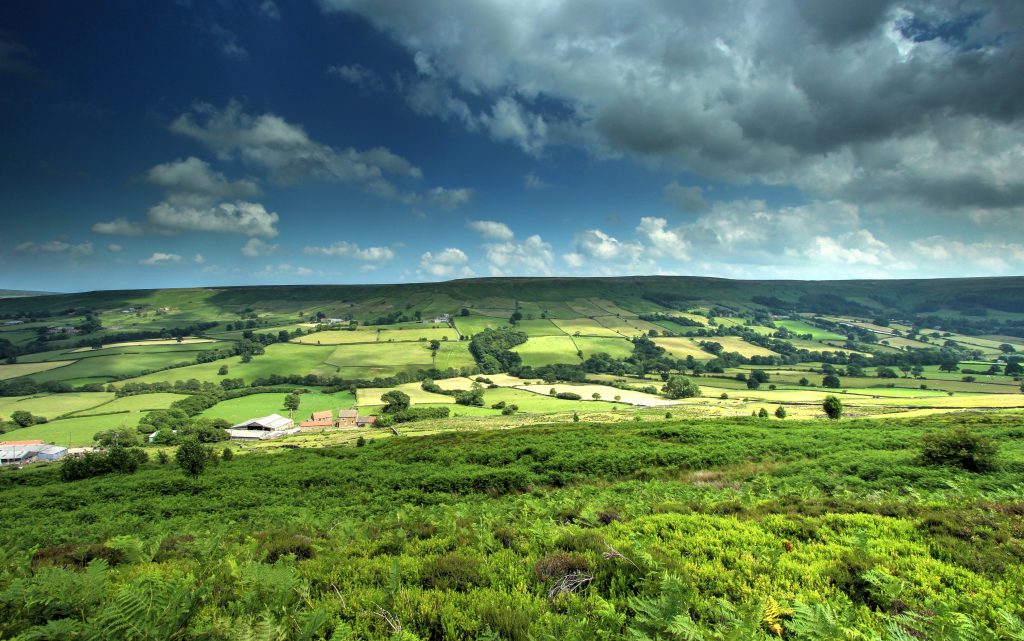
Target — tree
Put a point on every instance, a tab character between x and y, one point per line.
762	413
121	436
1006	348
192	457
949	363
830	380
680	387
223	371
291	402
833	407
1013	368
23	418
780	412
395	401
804	381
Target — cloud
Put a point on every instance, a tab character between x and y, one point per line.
118	227
255	247
450	198
854	248
198	259
686	199
533	182
988	257
114	248
344	249
445	263
283	269
357	75
530	257
57	247
161	258
916	105
491	229
250	219
662	241
269	10
191	177
228	42
287	153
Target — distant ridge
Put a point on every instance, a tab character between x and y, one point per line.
17	293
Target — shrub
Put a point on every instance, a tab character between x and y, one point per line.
192	458
121	460
680	387
762	413
279	545
451	572
833	407
568	396
608	516
959	448
556	566
360	442
227	454
780	412
76	555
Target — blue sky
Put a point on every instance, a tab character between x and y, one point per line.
247	142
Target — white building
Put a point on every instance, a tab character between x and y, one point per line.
263	428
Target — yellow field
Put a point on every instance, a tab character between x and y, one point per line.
607	393
158	341
682	347
369	396
338	337
27	369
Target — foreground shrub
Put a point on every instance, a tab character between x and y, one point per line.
556	566
277	545
959	448
451	572
119	460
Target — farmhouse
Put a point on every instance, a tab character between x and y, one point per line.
365	421
319	419
19	452
347	418
263	428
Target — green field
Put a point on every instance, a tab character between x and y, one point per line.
683	347
547	350
256	405
74	432
338	337
29	369
802	327
585	327
53	405
614	347
282	358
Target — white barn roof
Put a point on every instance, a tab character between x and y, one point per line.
273	422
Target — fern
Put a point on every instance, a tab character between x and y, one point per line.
153	609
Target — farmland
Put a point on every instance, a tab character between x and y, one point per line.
561	458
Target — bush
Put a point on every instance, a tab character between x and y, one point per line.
959	448
780	412
280	545
192	457
227	454
680	387
556	566
833	407
451	572
568	396
120	460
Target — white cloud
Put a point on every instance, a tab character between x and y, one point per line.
199	259
445	263
345	249
239	217
114	248
57	247
491	229
118	227
186	179
255	247
283	270
662	241
228	42
988	257
161	258
269	10
855	248
450	198
530	257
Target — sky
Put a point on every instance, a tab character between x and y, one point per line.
243	142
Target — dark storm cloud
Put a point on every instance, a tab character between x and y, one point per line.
832	97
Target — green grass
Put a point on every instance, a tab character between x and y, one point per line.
281	358
418	333
256	405
802	327
585	327
547	350
74	432
134	403
338	337
682	347
540	403
53	405
614	347
29	369
469	325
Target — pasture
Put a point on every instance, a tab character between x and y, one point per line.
29	369
255	405
802	327
547	350
585	327
52	405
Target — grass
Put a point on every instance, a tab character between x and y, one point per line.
371	395
683	347
280	358
28	369
614	347
543	403
803	327
73	432
53	405
585	327
418	334
607	393
134	403
338	337
256	405
474	324
547	350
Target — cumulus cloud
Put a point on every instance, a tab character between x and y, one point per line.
530	257
250	219
491	229
228	43
114	248
57	247
255	247
283	270
184	179
445	263
533	181
450	198
909	104
345	249
161	258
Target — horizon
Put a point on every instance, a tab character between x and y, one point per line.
260	143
